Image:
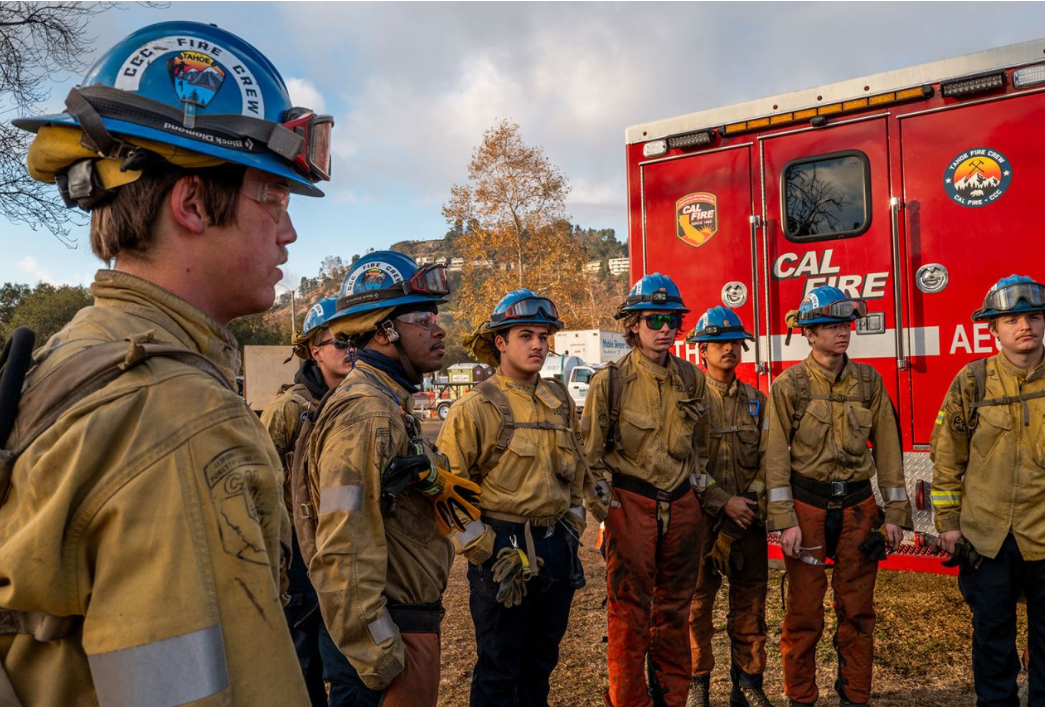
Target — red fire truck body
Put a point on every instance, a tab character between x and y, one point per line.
914	189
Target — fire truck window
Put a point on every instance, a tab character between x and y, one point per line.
827	197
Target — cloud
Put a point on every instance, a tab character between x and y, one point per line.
31	268
305	94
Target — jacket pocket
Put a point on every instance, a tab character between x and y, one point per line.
565	459
747	447
994	422
635	429
858	421
815	426
515	464
680	441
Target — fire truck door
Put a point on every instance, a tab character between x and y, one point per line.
827	218
697	229
970	175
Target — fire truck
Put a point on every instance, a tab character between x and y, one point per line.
913	189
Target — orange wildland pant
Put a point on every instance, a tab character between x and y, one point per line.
746	620
852	580
650	577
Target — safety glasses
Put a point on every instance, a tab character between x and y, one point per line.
1005	298
425	320
428	280
530	308
656	322
339	344
842	309
313	159
274	197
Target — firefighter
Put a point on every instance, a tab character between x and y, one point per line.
733	496
646	435
988	489
381	499
823	412
141	529
515	435
325	364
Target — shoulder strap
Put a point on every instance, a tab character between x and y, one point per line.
614	394
301	492
689	376
979	370
866	383
569	409
506	421
800	379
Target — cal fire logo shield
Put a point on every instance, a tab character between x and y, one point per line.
977	177
697	217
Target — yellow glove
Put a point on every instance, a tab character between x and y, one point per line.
720	555
454	499
512	570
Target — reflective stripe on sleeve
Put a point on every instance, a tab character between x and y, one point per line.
894	494
765	423
164	673
780	494
382	629
943	499
939	417
471	532
340	498
757	487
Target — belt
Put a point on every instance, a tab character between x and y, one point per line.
647	490
512	523
417	618
830	494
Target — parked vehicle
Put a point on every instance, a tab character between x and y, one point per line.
596	347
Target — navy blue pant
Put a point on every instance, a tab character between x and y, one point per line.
519	647
346	688
306	623
991	592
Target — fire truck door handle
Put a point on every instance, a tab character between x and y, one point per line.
895	204
756	223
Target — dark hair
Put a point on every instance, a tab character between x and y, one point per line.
125	223
630	319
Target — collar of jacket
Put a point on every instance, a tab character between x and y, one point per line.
642	363
383	382
726	389
389	366
311	377
538	390
814	367
1020	373
183	323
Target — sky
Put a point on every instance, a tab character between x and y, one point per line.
413	86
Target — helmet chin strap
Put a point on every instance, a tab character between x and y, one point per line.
389	328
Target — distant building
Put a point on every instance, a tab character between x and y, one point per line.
619	266
593	266
456	264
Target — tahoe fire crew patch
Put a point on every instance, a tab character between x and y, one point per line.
977	177
196	77
233	479
697	216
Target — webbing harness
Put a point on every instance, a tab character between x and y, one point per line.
619	380
979	372
800	379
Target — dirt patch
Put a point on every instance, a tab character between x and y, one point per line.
923	643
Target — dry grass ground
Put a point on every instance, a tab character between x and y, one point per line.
923	643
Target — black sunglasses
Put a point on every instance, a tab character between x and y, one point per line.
656	322
339	344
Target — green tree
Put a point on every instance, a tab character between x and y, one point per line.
11	295
259	330
45	309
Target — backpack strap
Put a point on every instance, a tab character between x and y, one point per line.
979	371
301	491
615	391
506	420
688	373
800	379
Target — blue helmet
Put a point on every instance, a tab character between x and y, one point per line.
197	87
385	279
319	314
829	305
1011	295
524	307
652	292
719	324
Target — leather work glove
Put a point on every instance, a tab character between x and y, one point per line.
575	524
964	555
481	549
511	570
600	500
874	545
722	557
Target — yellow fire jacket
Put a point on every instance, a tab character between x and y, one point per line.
831	441
370	553
282	419
990	481
152	509
538	475
665	433
737	416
